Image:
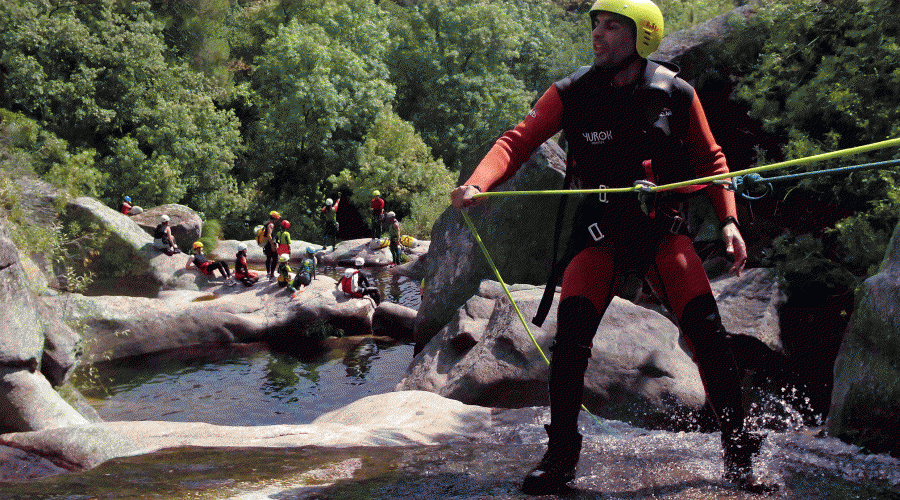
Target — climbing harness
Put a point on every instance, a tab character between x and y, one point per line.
748	177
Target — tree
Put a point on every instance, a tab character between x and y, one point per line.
454	84
317	89
825	76
96	75
394	160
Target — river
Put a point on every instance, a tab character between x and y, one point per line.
251	384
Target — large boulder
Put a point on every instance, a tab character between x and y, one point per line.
131	326
517	230
27	399
865	401
638	372
125	261
77	447
186	224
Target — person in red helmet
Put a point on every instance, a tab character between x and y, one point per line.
627	120
284	238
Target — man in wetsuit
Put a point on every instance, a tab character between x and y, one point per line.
627	119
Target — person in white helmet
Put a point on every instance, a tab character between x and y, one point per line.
393	237
330	222
355	283
242	271
163	239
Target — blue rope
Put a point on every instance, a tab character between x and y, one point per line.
746	184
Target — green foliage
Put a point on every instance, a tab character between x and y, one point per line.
212	233
681	15
318	85
49	156
807	276
450	63
825	76
321	330
196	29
395	160
97	76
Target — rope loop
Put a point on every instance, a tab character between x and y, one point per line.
752	186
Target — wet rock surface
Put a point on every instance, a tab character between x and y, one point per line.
618	462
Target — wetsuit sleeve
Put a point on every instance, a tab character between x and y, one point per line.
709	160
516	145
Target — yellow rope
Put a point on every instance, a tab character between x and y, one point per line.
705	180
493	267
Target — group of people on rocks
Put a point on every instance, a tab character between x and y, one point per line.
276	244
275	239
242	271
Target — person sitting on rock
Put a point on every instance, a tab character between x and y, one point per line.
284	272
163	239
355	283
126	206
207	266
241	271
307	271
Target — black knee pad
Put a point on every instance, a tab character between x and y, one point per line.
577	321
701	324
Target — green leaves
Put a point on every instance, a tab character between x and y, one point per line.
824	76
96	75
394	160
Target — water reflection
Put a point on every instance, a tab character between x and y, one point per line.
244	385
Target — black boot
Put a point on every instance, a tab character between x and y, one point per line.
558	465
702	326
739	452
577	323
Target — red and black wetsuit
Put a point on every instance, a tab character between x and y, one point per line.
656	130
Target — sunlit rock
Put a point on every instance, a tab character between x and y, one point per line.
27	400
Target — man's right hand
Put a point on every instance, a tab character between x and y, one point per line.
462	196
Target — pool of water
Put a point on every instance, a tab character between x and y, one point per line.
246	384
252	384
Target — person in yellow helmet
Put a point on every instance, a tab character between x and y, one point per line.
627	121
377	206
206	266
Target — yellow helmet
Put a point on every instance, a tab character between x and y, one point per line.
198	244
647	17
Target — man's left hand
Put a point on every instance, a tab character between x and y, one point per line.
735	246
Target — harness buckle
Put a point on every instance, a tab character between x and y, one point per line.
594	231
677	223
602	195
